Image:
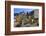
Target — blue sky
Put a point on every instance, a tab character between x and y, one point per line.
18	10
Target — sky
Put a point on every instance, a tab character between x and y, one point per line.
18	10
